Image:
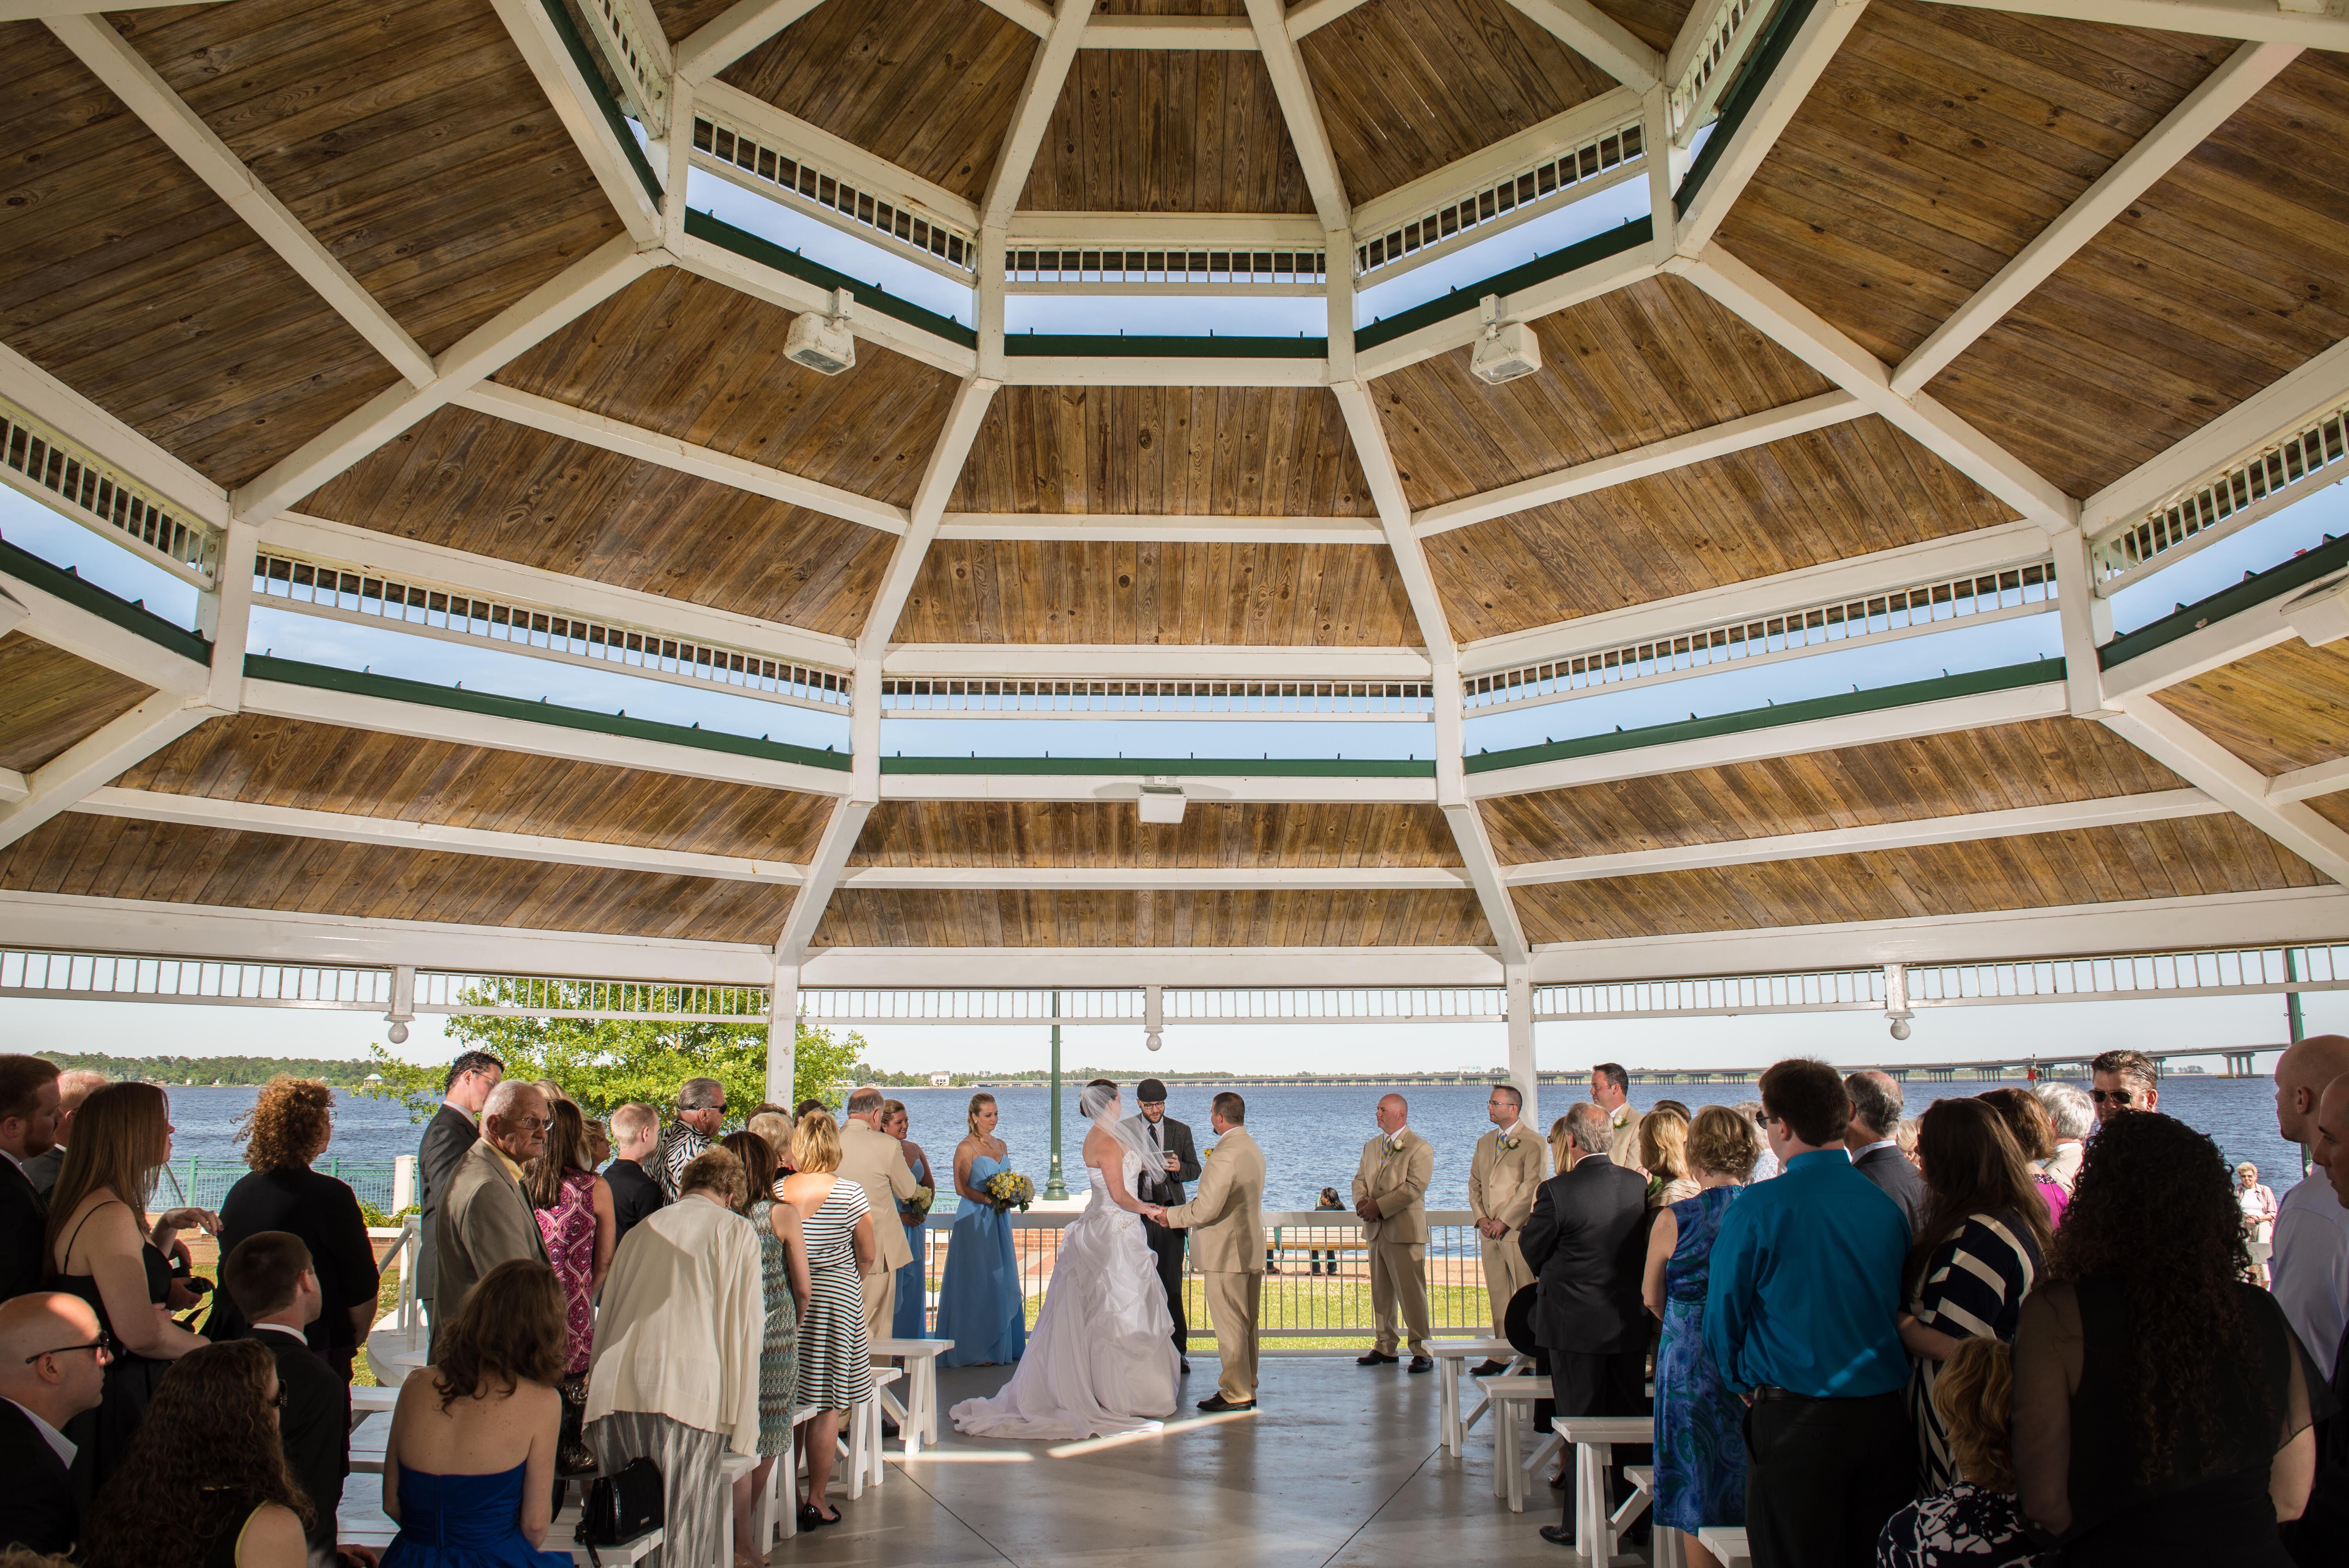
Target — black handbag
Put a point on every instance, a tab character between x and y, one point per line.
621	1507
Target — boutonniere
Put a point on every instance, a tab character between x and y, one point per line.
1509	1142
1210	1154
1394	1144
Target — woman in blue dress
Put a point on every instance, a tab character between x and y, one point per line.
980	1304
913	1279
1700	1424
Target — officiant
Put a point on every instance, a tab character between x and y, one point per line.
1173	1161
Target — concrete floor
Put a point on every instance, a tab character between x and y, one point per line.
1338	1465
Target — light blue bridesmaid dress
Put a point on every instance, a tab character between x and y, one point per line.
980	1306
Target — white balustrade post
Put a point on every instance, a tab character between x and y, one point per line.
403	1181
1522	1071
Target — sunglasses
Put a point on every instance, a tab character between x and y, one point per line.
102	1347
2112	1096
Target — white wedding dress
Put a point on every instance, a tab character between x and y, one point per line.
1101	1358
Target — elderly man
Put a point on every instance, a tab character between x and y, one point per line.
2123	1080
29	1121
1391	1195
454	1128
52	1367
485	1220
1874	1117
2072	1115
1610	1090
876	1163
73	1088
1503	1173
2310	1263
700	1111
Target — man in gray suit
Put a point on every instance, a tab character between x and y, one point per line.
485	1220
454	1128
1874	1117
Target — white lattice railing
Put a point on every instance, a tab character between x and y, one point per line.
909	696
127	977
60	474
1814	991
548	996
758	164
366	598
644	84
1711	70
1876	618
1548	181
2279	474
1091	270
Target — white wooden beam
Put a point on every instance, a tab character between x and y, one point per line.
1184	528
1198	660
2086	623
732	33
1146	31
1047	72
225	615
14	787
842	828
66	626
521	326
1146	231
964	416
811	143
1161	370
2233	782
1032	14
1598	38
1284	64
1641	462
91	762
103	435
1156	879
2184	129
1315	14
704	258
2308	783
2264	20
1125	787
1790	82
578	104
1560	132
2200	651
1529	303
2162	806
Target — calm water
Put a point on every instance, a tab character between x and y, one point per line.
1312	1136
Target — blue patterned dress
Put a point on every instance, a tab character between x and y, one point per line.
980	1304
1700	1424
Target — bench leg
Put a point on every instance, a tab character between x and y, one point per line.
1448	1403
929	1381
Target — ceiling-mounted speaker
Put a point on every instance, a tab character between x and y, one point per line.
822	344
1504	349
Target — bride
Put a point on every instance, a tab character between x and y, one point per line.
1101	1358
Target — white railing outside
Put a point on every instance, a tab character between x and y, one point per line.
619	34
996	698
1700	83
2304	459
758	164
1556	177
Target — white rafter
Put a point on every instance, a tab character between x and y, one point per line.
734	33
1302	111
577	104
1598	38
1048	71
1204	661
794	293
2264	20
2184	129
1032	14
104	436
1196	231
1156	879
965	416
57	784
1182	528
66	626
2232	782
1315	14
2307	783
846	822
1790	81
811	143
1147	31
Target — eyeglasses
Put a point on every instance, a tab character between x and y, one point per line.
2113	1096
102	1347
529	1123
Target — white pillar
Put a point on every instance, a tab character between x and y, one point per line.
1521	1042
783	1033
403	1181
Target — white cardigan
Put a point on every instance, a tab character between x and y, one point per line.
683	1320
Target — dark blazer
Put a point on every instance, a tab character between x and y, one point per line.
24	1217
446	1136
1890	1170
634	1196
1164	1186
322	1212
1587	1243
314	1426
37	1505
44	1168
2314	1538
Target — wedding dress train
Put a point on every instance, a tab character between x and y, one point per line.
1101	1358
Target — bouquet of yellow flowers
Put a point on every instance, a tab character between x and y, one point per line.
1010	1190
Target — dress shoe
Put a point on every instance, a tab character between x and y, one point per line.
1376	1358
1558	1535
1421	1364
1489	1369
812	1516
1219	1404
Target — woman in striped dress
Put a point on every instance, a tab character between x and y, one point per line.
1976	1256
835	1356
783	1279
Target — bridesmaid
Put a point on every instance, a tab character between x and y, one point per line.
980	1305
913	1280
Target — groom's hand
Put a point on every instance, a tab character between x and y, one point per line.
1368	1208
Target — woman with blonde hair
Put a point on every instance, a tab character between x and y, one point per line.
1663	1155
836	1373
980	1304
573	1206
1977	1522
104	1251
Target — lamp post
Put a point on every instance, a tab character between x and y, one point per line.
1053	1186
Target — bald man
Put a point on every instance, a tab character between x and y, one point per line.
1391	1195
2310	1262
52	1369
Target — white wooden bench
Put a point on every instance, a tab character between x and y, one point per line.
1727	1543
917	1417
367	1402
1512	1399
1597	1526
1452	1357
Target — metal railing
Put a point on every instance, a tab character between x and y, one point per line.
205	1182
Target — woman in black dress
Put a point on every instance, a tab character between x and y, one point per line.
292	1121
2162	1404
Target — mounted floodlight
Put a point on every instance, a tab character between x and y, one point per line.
825	345
1161	801
1504	349
1896	999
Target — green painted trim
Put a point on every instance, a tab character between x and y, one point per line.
1038	344
397	689
1541	269
2005	677
1178	767
589	69
1768	50
2257	589
873	296
64	582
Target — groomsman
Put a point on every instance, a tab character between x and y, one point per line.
1174	1160
1391	1195
1228	1238
1504	1174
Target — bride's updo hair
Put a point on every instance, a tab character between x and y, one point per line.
1096	1098
971	1116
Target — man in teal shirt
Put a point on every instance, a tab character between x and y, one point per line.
1801	1317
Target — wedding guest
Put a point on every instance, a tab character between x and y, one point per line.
2073	1115
2162	1409
2123	1080
454	1128
28	1121
700	1112
1975	1257
784	1287
287	1131
599	1143
573	1206
1505	1172
1330	1203
1699	1462
1799	1315
2034	1134
982	1307
469	1469
52	1369
1663	1155
907	1320
1977	1523
635	1191
775	1127
1872	1139
1170	1158
876	1163
1585	1242
1905	1139
1559	1142
836	1352
1391	1195
1610	1090
486	1218
1765	1165
74	1086
204	1482
2314	1538
104	1251
272	1279
2310	1263
799	1111
676	1374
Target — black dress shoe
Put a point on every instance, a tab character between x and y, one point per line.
1218	1403
812	1517
1376	1359
1421	1364
1558	1535
1489	1369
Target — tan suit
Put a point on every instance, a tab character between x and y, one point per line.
1501	1186
1623	1137
1228	1248
1397	1179
876	1163
484	1221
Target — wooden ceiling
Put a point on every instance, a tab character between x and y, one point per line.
859	917
1109	834
54	701
1154	130
2281	709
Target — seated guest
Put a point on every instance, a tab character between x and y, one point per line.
1874	1143
204	1484
52	1369
2162	1406
1984	1235
1977	1523
635	1191
1663	1155
29	1121
468	1469
2072	1116
275	1287
2026	1118
676	1374
1799	1315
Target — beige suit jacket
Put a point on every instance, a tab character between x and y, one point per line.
483	1222
1623	1138
1501	1182
1397	1180
1224	1216
876	1163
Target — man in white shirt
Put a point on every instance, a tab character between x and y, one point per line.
2310	1261
52	1367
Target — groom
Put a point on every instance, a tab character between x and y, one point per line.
1171	1159
1228	1240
